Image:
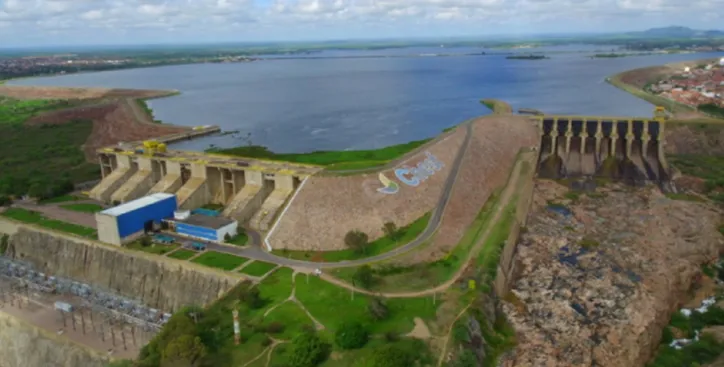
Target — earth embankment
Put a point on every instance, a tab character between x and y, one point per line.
326	208
600	275
32	92
488	162
23	345
157	282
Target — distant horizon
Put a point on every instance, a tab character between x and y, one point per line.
331	41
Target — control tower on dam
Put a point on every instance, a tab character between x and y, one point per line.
626	148
251	190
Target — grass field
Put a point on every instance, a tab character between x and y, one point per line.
32	217
84	208
277	287
61	199
219	260
379	246
498	107
337	160
241	239
709	168
182	254
420	276
290	315
16	111
43	155
489	255
325	300
258	268
155	248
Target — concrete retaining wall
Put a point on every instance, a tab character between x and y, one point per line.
24	345
158	282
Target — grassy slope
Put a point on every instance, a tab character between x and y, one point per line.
333	160
31	217
379	246
219	260
258	268
83	207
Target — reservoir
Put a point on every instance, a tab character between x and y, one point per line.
340	100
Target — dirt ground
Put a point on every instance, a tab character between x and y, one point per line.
116	117
27	92
56	212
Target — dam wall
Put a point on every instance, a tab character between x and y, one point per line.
488	162
25	345
326	208
162	283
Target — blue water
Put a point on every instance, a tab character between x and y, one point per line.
299	105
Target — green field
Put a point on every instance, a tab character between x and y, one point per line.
32	217
16	111
241	239
219	260
44	161
84	208
182	254
379	246
257	268
708	167
155	248
337	160
60	199
290	315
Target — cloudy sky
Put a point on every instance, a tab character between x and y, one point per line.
74	22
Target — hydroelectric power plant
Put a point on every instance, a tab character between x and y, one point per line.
623	148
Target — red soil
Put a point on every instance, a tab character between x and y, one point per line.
27	92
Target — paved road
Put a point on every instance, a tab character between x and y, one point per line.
255	252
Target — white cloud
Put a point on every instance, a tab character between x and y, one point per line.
129	21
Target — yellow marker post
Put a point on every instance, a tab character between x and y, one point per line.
471	284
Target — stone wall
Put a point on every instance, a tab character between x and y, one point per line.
24	345
156	281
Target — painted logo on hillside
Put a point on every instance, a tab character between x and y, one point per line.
411	176
390	187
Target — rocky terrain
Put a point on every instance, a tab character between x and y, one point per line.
601	274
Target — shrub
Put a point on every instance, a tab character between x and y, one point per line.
392	355
4	239
227	237
363	277
266	342
145	241
391	231
251	297
275	327
377	309
307	350
5	200
356	240
351	335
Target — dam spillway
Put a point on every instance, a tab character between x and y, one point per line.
622	148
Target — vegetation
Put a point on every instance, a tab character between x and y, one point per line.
684	196
357	241
43	161
33	217
404	353
699	352
333	160
241	238
307	350
4	239
351	335
712	110
670	105
708	167
286	321
182	254
498	107
527	57
144	106
220	260
381	245
83	208
363	277
151	248
258	268
60	199
5	200
588	243
17	111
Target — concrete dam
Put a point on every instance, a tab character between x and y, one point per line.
622	148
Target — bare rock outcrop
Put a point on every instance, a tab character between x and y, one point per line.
155	281
600	277
23	345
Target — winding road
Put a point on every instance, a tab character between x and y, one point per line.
256	253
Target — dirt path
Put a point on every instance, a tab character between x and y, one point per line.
421	331
449	332
508	194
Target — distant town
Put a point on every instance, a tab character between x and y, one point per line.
694	86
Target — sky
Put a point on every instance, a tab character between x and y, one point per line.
98	22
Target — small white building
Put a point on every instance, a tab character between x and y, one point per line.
206	227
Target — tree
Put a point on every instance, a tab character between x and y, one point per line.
36	190
145	241
5	200
351	335
378	309
391	355
307	350
252	298
391	231
227	237
364	277
184	351
356	240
